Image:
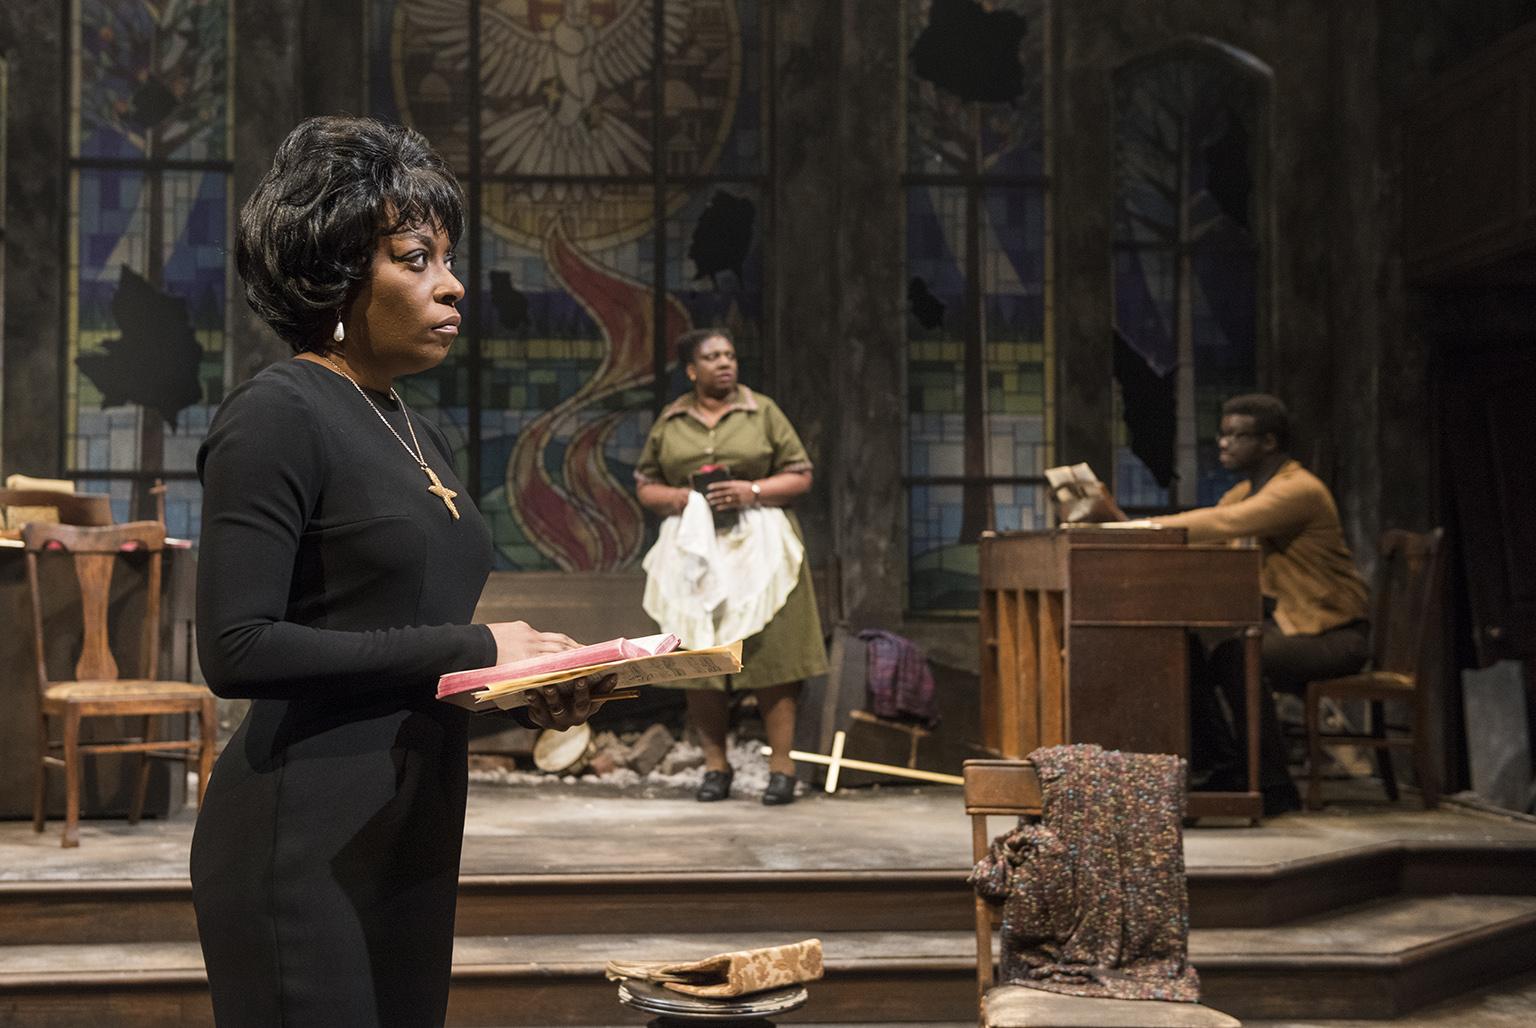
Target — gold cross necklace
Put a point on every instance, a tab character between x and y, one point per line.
437	488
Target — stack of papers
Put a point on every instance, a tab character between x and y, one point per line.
650	660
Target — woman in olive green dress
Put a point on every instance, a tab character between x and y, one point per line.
722	422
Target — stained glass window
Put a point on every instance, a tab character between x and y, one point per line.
614	156
1186	271
980	352
149	280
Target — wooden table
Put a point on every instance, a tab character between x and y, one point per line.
1084	638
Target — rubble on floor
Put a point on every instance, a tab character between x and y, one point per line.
650	761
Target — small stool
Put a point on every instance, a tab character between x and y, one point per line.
675	1009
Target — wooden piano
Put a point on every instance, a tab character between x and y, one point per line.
1083	639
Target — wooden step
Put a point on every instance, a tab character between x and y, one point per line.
880	977
802	903
1377	960
806	902
1257	895
1283	890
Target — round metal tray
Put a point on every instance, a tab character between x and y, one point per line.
655	999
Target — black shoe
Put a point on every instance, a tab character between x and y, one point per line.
715	786
1281	799
781	790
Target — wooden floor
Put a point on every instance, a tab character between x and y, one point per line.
559	827
1363	911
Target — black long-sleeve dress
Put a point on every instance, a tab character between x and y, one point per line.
333	590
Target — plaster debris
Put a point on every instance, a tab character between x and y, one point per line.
679	769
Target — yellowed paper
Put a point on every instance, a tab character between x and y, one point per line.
652	670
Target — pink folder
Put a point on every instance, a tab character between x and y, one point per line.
583	656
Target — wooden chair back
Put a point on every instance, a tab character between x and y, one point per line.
1009	788
1409	587
73	508
95	551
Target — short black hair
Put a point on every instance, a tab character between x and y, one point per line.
1268	413
307	235
689	342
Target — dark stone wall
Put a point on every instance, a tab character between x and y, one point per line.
31	40
333	78
318	45
1418	40
268	58
804	287
838	298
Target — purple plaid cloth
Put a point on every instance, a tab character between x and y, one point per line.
899	682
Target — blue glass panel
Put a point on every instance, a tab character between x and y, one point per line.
1020	507
176	277
1015	366
1018	402
935	336
1185	272
942	573
153	79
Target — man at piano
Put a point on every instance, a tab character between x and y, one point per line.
1315	600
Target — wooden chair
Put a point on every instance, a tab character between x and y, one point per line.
1405	627
1011	788
69	508
96	690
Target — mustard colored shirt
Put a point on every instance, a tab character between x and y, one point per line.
753	438
1308	569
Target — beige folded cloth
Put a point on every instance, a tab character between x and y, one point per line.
52	485
728	974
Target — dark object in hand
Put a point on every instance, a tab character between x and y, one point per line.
707	476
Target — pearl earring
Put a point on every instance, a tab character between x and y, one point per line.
341	330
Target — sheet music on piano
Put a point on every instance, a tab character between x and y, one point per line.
1081	499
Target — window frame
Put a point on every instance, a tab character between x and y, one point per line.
974	364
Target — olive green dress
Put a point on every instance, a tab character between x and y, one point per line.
755	440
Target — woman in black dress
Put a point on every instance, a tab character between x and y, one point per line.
340	564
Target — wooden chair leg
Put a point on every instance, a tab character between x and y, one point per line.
1314	748
71	779
141	783
190	761
208	736
1383	753
1424	767
40	787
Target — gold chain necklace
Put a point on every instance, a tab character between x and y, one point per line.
437	488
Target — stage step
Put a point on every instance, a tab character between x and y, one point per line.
803	902
1377	960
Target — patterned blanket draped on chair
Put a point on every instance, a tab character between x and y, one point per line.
1094	896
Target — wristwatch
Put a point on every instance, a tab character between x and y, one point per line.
757	495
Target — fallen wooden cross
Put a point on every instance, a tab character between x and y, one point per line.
836	762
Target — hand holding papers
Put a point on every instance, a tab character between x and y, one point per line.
634	662
1080	496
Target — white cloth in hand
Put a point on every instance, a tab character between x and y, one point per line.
710	588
